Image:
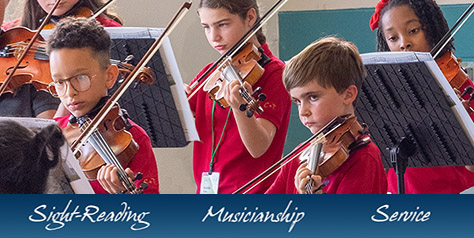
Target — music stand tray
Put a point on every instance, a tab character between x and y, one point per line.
412	111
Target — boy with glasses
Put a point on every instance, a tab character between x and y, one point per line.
82	74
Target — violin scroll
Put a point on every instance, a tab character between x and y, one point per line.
146	76
125	68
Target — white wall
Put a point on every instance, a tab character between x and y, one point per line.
192	52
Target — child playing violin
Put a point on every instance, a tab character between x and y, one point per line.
26	101
35	10
418	25
82	74
235	148
323	80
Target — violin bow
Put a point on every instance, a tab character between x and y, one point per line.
448	36
295	153
237	46
28	47
102	9
129	80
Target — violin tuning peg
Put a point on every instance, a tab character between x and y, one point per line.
128	58
138	176
249	113
143	186
467	90
262	97
243	107
257	91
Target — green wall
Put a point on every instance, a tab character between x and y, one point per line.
298	29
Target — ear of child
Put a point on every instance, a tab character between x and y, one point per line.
112	74
350	94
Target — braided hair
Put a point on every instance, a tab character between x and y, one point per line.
431	18
27	157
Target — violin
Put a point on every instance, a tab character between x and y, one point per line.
450	65
23	52
243	67
35	67
340	137
111	143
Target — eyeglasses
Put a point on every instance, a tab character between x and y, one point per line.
79	83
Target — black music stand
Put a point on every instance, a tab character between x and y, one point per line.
150	106
410	118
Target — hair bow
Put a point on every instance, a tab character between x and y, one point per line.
374	20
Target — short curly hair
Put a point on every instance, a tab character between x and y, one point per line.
431	18
76	33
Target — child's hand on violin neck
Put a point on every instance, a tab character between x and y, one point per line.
232	93
108	179
303	176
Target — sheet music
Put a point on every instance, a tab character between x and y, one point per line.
71	169
409	57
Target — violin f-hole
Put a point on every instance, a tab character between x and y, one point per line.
9	69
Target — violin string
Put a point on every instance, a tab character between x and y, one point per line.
113	160
15	53
232	73
110	157
34	46
15	50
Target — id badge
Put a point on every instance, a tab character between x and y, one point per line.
209	183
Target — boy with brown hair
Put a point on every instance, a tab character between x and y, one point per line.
82	74
323	80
